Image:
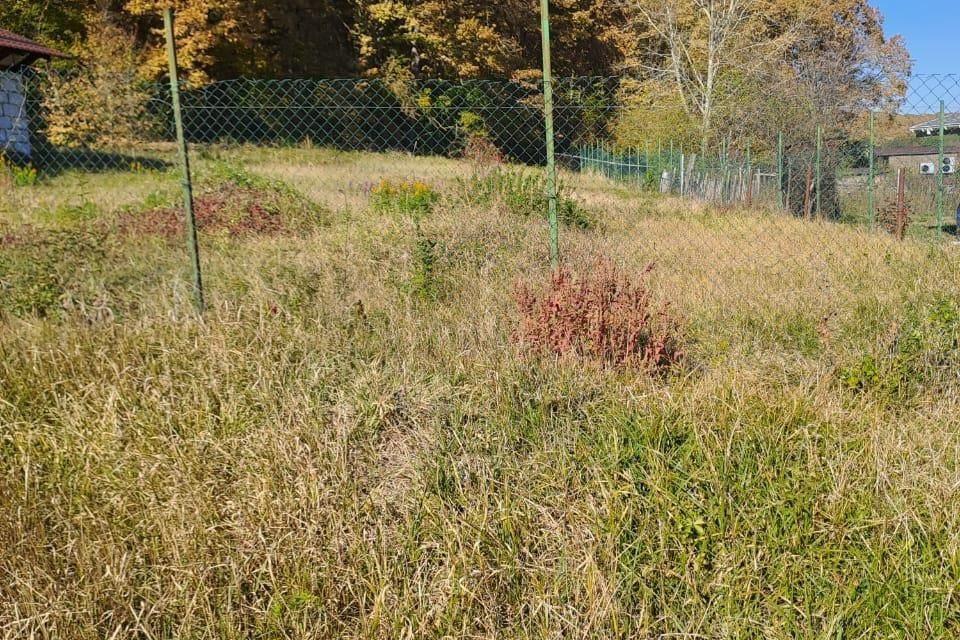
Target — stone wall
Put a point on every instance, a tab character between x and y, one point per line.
14	127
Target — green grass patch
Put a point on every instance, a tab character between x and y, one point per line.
349	442
38	268
920	354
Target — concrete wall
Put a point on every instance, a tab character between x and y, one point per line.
14	127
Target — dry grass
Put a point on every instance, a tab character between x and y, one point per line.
328	455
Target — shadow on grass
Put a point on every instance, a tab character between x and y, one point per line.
948	229
54	161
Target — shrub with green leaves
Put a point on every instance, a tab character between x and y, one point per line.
921	353
651	180
412	199
523	194
25	176
71	214
423	282
20	175
38	268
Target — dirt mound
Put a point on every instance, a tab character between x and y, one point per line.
230	209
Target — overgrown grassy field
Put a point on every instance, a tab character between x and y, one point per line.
350	444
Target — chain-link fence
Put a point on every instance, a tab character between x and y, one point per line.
895	168
429	117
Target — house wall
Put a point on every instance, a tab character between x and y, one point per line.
14	127
912	163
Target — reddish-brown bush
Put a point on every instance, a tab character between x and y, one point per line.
234	210
604	315
480	151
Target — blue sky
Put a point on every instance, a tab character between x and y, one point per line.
931	41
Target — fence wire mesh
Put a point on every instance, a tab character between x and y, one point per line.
892	170
844	171
429	117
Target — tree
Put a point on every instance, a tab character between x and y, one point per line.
482	39
215	38
735	63
696	45
591	37
435	38
103	101
700	49
308	38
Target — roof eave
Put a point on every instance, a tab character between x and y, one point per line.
18	59
907	152
13	44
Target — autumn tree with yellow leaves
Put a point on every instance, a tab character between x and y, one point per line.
731	68
212	35
481	39
696	71
102	103
704	40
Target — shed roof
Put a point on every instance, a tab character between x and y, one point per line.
951	121
892	152
17	50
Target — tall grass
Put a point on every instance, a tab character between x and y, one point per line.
328	454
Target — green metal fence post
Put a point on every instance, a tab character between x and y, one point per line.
780	201
819	168
940	174
551	149
872	178
192	244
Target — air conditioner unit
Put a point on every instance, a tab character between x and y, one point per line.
949	165
928	168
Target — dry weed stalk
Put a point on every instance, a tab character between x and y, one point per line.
604	315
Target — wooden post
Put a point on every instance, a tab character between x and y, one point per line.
683	173
901	224
941	191
789	196
780	199
819	169
807	201
872	175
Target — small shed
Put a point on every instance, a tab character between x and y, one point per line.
910	158
16	52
